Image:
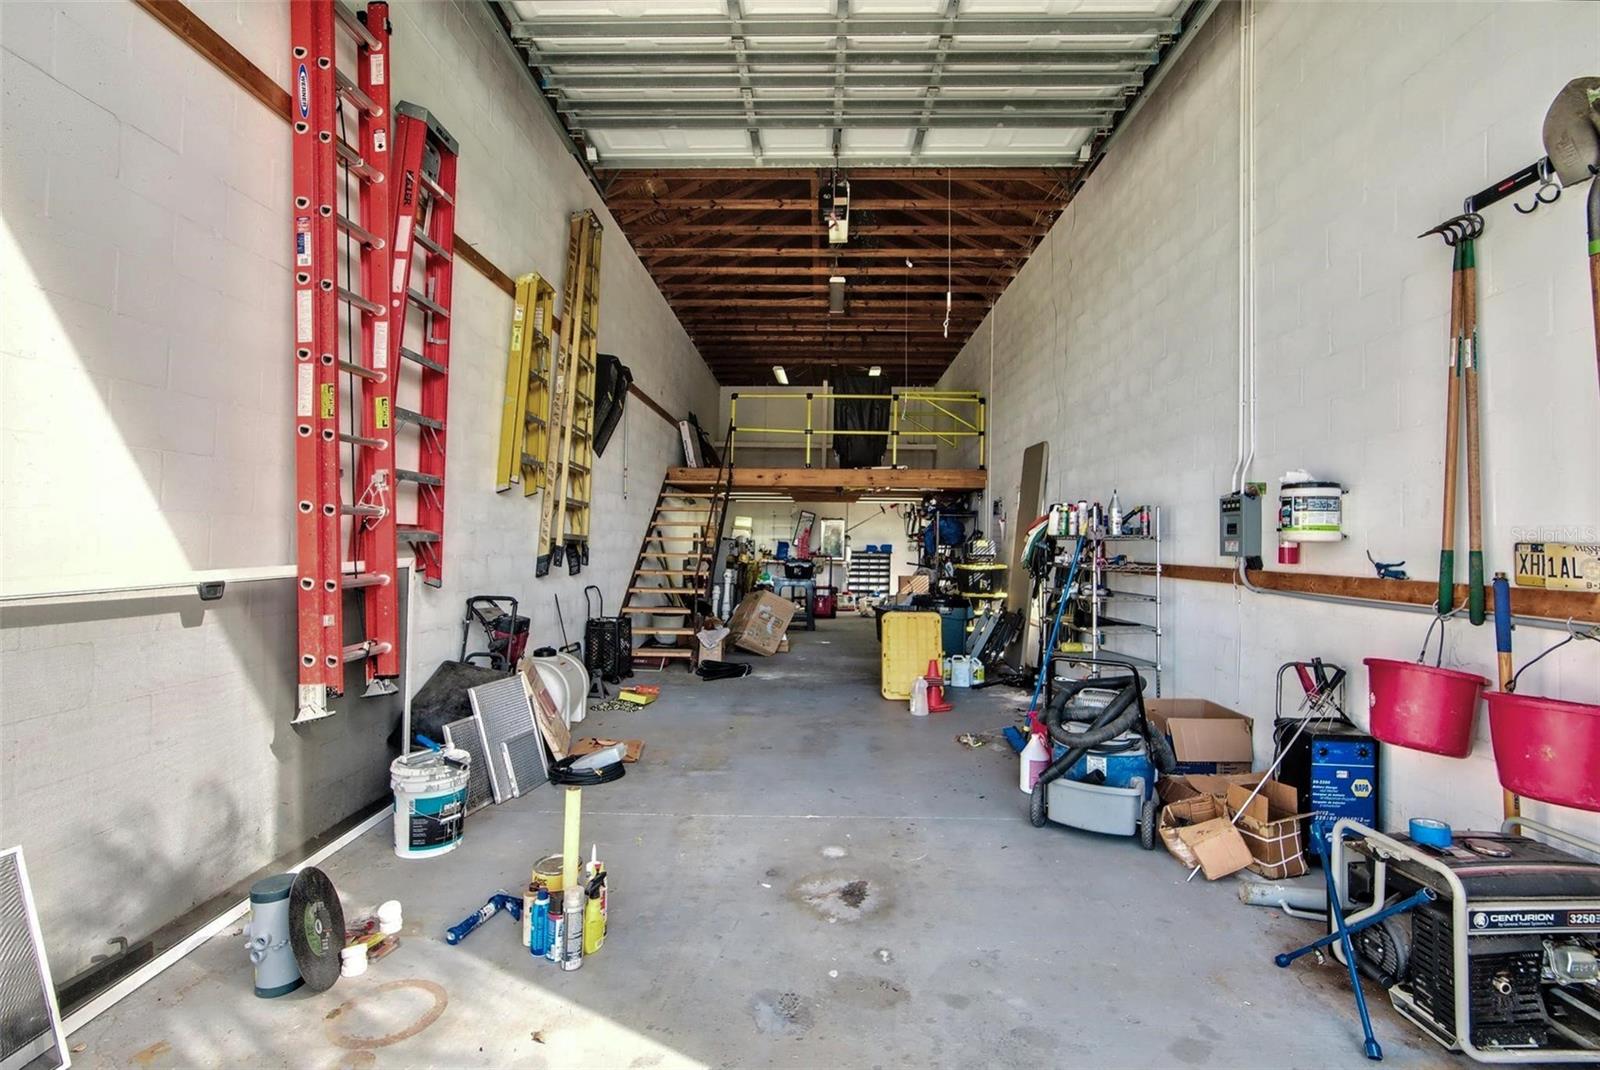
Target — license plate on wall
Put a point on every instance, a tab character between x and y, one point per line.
1559	566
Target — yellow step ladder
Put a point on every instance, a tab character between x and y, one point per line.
525	414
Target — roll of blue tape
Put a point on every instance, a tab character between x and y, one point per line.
1430	833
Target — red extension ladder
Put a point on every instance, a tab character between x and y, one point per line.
351	201
424	230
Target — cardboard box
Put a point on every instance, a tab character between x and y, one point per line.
1194	809
1270	825
1206	737
917	584
711	641
759	622
1217	846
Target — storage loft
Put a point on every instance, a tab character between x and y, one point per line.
831	484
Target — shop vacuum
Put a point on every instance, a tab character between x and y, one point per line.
1500	958
1106	756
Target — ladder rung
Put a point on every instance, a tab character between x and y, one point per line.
434	188
361	440
417	358
533	421
371	308
407	475
360	233
363	510
576	503
663	631
370	648
530	461
659	611
362	372
579	467
581	396
352	159
354	94
428	304
412	533
357	28
408	416
579	432
424	240
366	579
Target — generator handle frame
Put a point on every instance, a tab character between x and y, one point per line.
1518	821
1385	847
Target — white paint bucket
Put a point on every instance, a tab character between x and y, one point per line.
1311	511
430	800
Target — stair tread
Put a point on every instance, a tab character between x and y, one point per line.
663	631
663	590
662	652
665	611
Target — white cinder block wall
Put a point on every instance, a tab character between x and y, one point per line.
146	435
1118	342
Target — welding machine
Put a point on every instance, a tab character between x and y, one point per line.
1501	959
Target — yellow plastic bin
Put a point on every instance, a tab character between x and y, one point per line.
910	641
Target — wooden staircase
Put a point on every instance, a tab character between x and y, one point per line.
673	570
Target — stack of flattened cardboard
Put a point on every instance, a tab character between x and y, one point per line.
759	624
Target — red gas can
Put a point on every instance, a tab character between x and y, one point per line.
825	602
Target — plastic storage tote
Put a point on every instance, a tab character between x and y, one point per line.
910	641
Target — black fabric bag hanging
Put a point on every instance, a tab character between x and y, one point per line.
612	380
859	451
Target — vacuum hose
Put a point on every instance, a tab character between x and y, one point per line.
1119	715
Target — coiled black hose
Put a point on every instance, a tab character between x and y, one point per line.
1124	711
563	774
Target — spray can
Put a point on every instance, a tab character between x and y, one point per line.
1116	513
1085	518
537	917
572	928
597	868
1072	520
558	936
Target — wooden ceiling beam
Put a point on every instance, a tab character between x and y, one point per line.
854	174
675	287
757	252
1019	231
854	271
798	204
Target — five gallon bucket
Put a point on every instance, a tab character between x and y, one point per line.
1421	707
430	799
1547	749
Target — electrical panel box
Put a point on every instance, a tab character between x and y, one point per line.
1239	525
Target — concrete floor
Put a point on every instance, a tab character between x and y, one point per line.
979	941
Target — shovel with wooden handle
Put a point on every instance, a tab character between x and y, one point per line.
1469	381
1452	230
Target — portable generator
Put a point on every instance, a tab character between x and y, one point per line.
1502	960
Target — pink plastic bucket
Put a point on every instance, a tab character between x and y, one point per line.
1423	708
1547	749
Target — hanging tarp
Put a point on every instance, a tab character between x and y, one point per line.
860	451
611	395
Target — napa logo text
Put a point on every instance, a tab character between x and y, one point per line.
303	88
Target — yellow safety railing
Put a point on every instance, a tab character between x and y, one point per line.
937	415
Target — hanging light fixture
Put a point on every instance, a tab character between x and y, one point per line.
779	374
836	295
875	371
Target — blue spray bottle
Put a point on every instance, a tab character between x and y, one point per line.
539	926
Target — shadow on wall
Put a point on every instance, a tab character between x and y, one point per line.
133	735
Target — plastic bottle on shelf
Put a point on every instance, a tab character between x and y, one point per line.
539	922
1072	520
1116	513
